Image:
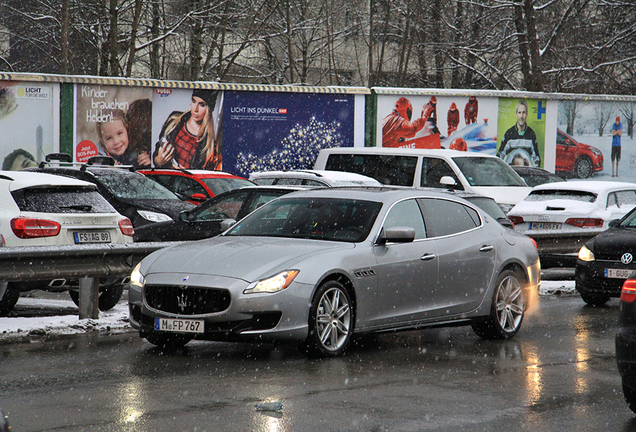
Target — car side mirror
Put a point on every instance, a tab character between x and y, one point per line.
449	182
185	216
396	235
198	197
614	223
227	224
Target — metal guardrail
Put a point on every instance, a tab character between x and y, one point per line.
84	262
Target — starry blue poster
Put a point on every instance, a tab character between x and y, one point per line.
283	131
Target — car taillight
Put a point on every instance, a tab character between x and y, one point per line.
585	222
534	242
32	228
628	293
515	219
126	227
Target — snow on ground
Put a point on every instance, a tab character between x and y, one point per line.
112	321
116	319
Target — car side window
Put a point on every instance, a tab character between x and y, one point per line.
187	186
444	217
406	214
626	198
262	199
228	207
314	183
433	170
289	182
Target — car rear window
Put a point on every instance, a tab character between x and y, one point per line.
553	194
61	200
388	170
129	185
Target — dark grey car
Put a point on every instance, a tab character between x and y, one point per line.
318	266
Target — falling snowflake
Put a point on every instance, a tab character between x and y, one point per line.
298	150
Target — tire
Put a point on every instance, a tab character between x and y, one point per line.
630	397
331	319
507	310
109	296
583	168
596	300
168	341
9	299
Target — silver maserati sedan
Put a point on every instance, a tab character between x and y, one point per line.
320	266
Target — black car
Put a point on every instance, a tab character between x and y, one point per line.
145	202
606	261
535	176
214	215
626	341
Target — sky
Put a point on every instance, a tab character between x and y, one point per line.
116	319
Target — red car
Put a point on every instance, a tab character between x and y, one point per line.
575	158
196	186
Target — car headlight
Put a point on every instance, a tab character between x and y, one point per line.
597	152
136	278
154	216
272	284
585	254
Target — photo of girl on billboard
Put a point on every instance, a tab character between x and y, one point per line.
114	139
187	139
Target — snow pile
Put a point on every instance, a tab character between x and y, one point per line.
112	321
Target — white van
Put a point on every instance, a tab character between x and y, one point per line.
472	172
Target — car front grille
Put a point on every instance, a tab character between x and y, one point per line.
184	300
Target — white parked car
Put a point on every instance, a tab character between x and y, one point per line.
312	178
573	204
472	172
562	216
38	209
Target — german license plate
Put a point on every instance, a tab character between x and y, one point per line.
92	237
179	325
618	273
545	225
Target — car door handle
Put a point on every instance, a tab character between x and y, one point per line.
428	257
486	248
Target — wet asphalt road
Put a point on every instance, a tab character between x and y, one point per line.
558	373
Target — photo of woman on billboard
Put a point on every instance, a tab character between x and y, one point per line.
187	139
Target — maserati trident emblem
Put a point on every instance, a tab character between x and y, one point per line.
627	258
182	302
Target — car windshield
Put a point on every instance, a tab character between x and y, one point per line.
129	185
487	171
555	194
220	185
629	221
346	220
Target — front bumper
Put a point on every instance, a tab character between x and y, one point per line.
239	317
590	277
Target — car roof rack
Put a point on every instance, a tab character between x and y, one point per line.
67	159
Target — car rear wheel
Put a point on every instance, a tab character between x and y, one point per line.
583	167
596	300
168	341
330	321
109	296
9	299
507	310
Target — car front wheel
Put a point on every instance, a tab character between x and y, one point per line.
596	300
507	310
583	168
330	321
